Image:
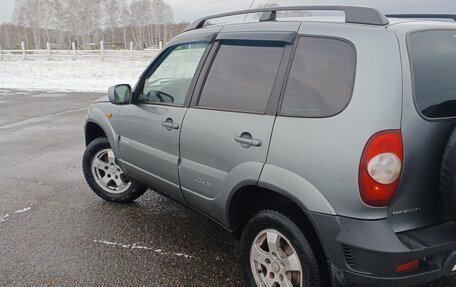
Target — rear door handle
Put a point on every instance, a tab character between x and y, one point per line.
170	125
246	140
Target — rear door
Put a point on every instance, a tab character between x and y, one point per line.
226	132
429	113
149	128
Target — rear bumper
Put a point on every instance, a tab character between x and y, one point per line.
349	278
367	253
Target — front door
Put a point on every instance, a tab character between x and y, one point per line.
149	128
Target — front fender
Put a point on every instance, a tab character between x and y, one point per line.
97	115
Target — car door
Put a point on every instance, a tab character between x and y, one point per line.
149	128
226	132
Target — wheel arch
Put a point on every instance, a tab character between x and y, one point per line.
93	131
250	199
99	126
277	185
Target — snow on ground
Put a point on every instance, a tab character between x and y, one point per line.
136	246
6	216
84	75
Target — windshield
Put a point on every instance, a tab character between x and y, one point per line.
433	62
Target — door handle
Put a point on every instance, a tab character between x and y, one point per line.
170	125
246	140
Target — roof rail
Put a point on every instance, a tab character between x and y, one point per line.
425	16
353	14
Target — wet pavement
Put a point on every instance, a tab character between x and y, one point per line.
54	231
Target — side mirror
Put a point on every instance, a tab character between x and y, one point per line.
120	94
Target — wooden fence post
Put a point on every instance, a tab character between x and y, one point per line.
23	50
48	47
102	50
73	47
160	45
131	49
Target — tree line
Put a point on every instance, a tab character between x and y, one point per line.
87	22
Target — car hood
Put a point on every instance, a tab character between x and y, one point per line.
103	99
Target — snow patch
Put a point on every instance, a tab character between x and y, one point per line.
23	210
3	217
136	246
181	254
6	216
91	75
105	242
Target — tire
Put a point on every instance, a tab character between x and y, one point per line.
448	176
268	224
105	177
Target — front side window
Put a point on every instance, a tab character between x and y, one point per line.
433	60
321	78
242	76
170	81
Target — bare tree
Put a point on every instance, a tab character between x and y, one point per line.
89	19
124	20
29	14
7	39
111	13
145	22
59	24
140	19
82	19
162	15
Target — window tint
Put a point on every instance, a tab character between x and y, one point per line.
433	58
321	78
242	76
170	81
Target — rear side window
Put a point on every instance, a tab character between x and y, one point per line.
433	61
242	76
321	78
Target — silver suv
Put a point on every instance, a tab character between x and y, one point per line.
326	146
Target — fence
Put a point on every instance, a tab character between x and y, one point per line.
74	54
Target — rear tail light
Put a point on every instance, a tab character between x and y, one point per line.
380	168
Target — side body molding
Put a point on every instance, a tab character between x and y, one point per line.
291	185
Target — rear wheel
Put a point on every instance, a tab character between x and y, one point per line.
276	253
105	177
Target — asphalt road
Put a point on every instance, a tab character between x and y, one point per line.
54	231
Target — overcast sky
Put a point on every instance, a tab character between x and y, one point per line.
187	10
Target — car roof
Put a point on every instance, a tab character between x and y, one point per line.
293	24
353	15
369	18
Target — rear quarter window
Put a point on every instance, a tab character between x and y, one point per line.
321	79
433	63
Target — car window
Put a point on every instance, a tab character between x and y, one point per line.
321	78
433	58
242	76
170	81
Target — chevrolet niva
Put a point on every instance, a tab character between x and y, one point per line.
326	147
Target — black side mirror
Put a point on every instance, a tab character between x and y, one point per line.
120	94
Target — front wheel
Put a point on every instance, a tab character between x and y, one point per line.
105	177
276	253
